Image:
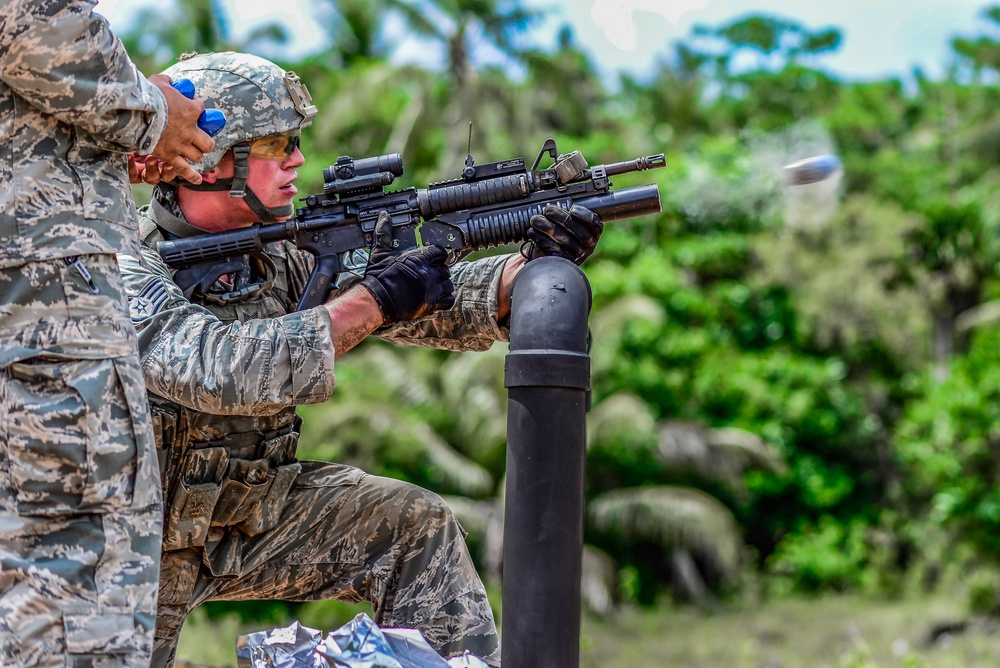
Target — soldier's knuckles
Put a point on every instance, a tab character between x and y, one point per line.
576	229
552	235
564	236
541	223
557	214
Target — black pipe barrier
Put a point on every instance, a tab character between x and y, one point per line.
547	373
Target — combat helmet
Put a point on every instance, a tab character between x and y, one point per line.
259	100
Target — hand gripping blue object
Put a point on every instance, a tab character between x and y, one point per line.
211	120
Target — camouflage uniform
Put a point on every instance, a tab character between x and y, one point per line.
245	519
80	508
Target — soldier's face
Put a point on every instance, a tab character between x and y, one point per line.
271	179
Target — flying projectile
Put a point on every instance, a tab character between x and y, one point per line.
811	170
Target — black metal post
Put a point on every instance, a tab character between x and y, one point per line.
548	381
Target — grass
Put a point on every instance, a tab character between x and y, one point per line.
828	632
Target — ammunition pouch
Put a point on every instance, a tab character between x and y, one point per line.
240	481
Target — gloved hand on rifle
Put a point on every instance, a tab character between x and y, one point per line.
410	283
570	234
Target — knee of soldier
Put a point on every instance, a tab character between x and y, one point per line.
426	512
441	513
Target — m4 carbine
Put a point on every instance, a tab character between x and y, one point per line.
489	205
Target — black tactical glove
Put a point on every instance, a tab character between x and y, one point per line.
570	234
406	284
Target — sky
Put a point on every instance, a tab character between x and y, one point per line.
880	37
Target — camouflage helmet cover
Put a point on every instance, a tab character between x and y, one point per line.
258	98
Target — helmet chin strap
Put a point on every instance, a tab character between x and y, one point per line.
238	188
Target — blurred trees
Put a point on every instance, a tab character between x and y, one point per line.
810	371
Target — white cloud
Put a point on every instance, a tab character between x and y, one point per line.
616	19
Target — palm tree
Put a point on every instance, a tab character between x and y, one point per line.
159	36
565	88
355	28
464	26
386	424
463	29
678	535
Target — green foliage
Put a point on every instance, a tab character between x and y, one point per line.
984	592
566	74
829	556
949	443
330	615
843	282
623	441
868	119
983	52
770	34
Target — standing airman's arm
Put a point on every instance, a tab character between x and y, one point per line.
64	60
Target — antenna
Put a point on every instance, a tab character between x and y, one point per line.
469	172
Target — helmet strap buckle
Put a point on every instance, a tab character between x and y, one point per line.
241	170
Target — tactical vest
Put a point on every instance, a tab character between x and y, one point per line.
220	471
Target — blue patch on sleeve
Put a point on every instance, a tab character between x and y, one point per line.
148	302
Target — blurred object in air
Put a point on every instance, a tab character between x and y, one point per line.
811	170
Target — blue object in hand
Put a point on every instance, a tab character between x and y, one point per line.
211	120
185	87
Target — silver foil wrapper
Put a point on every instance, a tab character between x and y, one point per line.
358	644
292	646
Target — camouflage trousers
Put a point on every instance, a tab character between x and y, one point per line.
80	507
349	536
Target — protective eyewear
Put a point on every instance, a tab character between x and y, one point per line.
275	146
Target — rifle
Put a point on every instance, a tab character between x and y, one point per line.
489	205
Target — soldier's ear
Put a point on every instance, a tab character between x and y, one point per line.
210	177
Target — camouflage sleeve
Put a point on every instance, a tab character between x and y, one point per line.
471	324
192	358
65	61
